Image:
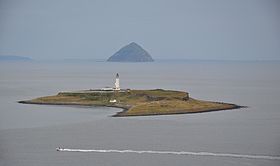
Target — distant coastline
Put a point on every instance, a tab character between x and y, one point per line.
10	58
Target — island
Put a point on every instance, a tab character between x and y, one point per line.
135	102
131	53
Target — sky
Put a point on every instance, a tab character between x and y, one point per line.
167	29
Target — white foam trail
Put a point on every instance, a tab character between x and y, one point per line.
173	153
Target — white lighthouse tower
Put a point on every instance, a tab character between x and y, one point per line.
117	83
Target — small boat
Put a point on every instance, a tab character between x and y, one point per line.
58	149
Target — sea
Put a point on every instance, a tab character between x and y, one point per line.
30	134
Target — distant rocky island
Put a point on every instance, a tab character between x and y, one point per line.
14	58
131	53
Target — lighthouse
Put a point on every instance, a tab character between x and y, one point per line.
117	83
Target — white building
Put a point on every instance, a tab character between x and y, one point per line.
113	101
107	89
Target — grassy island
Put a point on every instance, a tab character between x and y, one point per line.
136	102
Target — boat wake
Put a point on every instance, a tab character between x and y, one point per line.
232	155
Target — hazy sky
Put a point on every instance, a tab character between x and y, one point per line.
185	29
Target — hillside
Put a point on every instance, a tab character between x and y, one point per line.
131	53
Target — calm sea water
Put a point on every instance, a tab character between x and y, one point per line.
29	134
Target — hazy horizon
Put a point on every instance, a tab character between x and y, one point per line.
181	29
164	59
